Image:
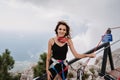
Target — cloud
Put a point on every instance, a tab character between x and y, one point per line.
32	15
25	18
108	9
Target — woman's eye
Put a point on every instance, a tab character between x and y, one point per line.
60	29
64	30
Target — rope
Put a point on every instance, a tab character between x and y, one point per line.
115	27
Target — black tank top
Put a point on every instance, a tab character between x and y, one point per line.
59	52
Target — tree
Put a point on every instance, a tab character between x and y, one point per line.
39	69
6	64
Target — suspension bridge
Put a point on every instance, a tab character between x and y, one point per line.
114	74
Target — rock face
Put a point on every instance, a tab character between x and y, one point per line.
27	74
91	71
116	60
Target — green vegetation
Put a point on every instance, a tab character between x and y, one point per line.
6	64
39	69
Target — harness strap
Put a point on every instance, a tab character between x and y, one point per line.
63	75
57	61
53	67
62	62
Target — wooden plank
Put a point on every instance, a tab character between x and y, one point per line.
115	73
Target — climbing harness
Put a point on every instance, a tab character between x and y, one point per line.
62	62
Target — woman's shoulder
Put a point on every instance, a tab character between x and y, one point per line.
52	40
69	41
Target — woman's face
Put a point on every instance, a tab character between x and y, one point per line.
61	30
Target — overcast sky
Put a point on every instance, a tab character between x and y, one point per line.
27	25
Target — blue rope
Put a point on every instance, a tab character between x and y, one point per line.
63	75
54	69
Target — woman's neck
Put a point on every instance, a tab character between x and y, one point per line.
62	39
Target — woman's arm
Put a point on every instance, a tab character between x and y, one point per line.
48	54
48	59
77	55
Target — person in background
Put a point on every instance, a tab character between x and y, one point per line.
57	50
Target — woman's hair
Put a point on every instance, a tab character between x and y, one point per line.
67	28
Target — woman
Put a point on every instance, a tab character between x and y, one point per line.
57	51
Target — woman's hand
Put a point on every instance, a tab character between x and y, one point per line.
49	75
92	55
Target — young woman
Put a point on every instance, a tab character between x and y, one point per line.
57	50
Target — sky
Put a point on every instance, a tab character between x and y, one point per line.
27	25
